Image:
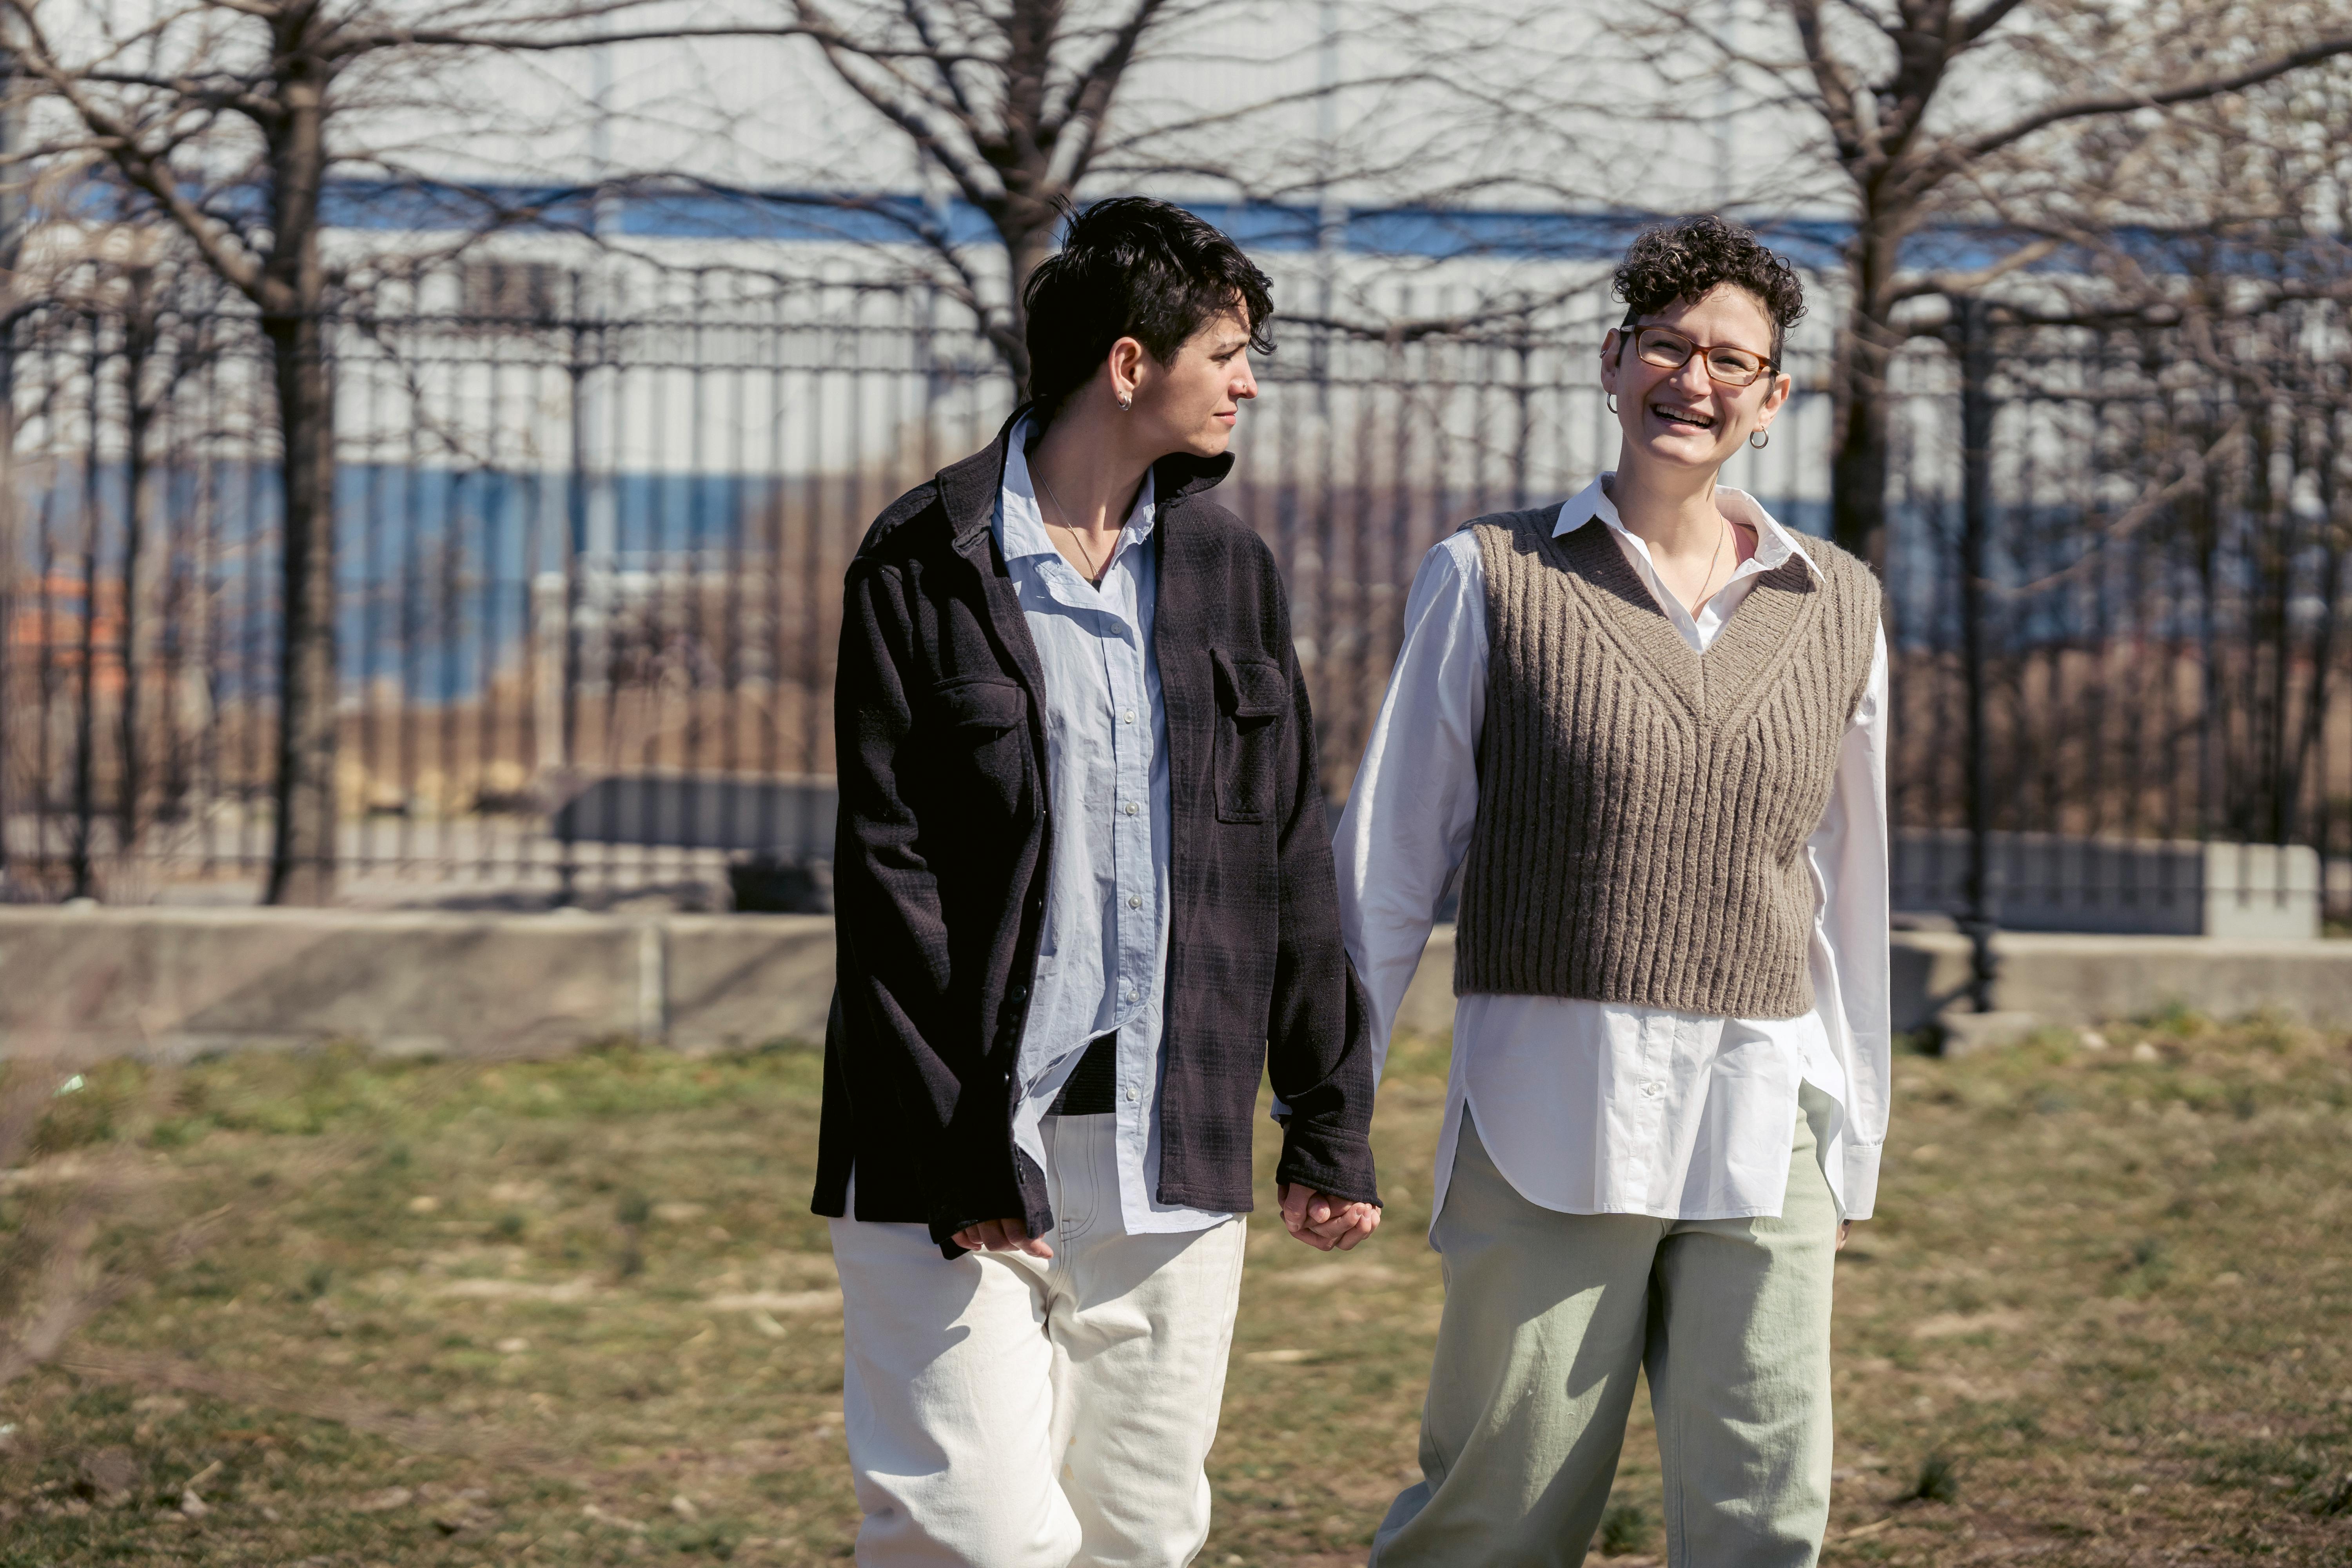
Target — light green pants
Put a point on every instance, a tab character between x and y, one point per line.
1549	1318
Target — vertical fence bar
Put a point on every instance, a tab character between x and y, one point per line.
576	544
11	588
1976	410
774	490
730	761
85	787
45	777
138	342
488	807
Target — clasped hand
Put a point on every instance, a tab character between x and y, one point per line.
1324	1222
1319	1219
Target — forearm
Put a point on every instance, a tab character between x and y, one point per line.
1319	1043
904	1031
1415	798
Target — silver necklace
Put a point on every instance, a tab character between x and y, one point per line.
1711	560
1095	573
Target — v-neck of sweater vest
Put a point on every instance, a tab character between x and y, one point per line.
1761	637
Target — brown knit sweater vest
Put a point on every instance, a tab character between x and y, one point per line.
1643	809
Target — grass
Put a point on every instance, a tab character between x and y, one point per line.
576	1311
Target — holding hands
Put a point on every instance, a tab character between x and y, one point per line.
1000	1236
1324	1222
1319	1219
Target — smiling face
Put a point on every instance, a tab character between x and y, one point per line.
1684	418
1191	403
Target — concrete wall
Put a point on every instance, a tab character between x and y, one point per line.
2074	979
165	982
2054	978
2118	886
171	983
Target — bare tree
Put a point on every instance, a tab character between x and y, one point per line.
1012	110
228	122
1010	101
223	122
152	105
2222	231
1918	113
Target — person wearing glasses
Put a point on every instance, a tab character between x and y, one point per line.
1647	725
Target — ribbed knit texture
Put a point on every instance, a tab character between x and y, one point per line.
1643	809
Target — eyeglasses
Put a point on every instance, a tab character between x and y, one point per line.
1669	349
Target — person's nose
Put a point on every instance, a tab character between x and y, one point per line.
1244	382
1691	378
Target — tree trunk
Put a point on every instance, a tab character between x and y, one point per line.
11	213
1028	240
138	342
1858	473
302	857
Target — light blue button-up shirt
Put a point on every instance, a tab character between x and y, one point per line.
1102	958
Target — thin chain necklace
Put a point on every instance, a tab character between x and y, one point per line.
1093	573
1711	560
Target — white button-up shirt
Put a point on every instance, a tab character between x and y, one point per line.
1597	1106
1102	958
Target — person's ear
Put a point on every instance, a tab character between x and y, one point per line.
1775	398
1612	353
1126	366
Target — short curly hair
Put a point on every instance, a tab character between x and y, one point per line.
1683	261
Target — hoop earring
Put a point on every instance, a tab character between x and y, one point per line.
1761	440
1127	404
1613	403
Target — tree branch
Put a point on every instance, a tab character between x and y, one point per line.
119	142
2159	97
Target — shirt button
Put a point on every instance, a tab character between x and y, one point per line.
1131	1096
1130	715
1132	994
1130	808
1135	900
1652	1090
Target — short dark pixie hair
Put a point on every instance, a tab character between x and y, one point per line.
1683	261
1132	267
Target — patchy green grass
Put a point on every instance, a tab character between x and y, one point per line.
577	1311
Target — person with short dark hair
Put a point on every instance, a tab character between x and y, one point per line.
1647	725
1083	900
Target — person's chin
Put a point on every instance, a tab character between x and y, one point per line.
1211	442
1684	450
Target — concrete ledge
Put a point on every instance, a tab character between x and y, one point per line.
2065	979
174	982
742	979
2057	979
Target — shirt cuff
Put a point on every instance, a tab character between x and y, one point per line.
1862	1178
1332	1162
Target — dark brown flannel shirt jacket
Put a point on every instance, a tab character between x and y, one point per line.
941	857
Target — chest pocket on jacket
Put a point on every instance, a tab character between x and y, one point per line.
981	739
1251	697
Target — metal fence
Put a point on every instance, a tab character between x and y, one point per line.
592	525
2119	582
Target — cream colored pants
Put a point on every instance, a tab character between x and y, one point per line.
1007	1412
1550	1316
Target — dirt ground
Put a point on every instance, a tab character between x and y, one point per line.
576	1311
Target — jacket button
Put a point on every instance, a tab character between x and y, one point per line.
1017	996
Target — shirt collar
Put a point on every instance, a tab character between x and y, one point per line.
1021	525
1774	543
